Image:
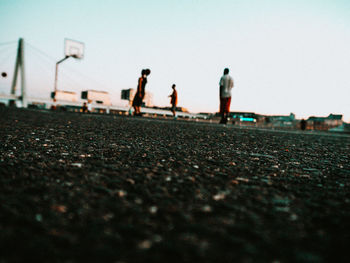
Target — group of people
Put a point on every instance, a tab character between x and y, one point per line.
140	94
226	85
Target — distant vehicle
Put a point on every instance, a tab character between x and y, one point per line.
95	96
64	95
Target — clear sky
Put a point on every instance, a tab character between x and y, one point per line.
285	56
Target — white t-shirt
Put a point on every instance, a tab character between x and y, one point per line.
226	84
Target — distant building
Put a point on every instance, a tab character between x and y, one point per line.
344	128
64	95
148	99
95	96
325	123
128	94
280	120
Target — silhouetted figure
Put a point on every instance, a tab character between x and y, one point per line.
84	108
226	85
303	124
12	103
54	105
140	93
173	100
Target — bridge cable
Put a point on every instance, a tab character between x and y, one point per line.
8	43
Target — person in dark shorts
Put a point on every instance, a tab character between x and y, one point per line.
226	84
84	108
140	92
173	100
303	124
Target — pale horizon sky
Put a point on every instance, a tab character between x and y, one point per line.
284	56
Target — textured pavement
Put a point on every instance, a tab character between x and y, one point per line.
98	188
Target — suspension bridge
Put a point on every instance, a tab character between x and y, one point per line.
28	77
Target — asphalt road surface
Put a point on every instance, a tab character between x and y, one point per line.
101	188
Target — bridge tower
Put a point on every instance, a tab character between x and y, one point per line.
19	69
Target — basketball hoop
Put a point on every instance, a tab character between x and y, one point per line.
72	48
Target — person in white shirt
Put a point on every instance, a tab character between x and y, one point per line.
89	106
226	85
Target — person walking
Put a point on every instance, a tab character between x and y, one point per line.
226	85
140	93
173	100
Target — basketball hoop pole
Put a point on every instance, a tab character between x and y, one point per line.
73	49
57	63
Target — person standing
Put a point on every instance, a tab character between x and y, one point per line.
89	106
303	124
140	93
84	108
226	85
173	100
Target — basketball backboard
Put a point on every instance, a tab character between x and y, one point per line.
73	48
